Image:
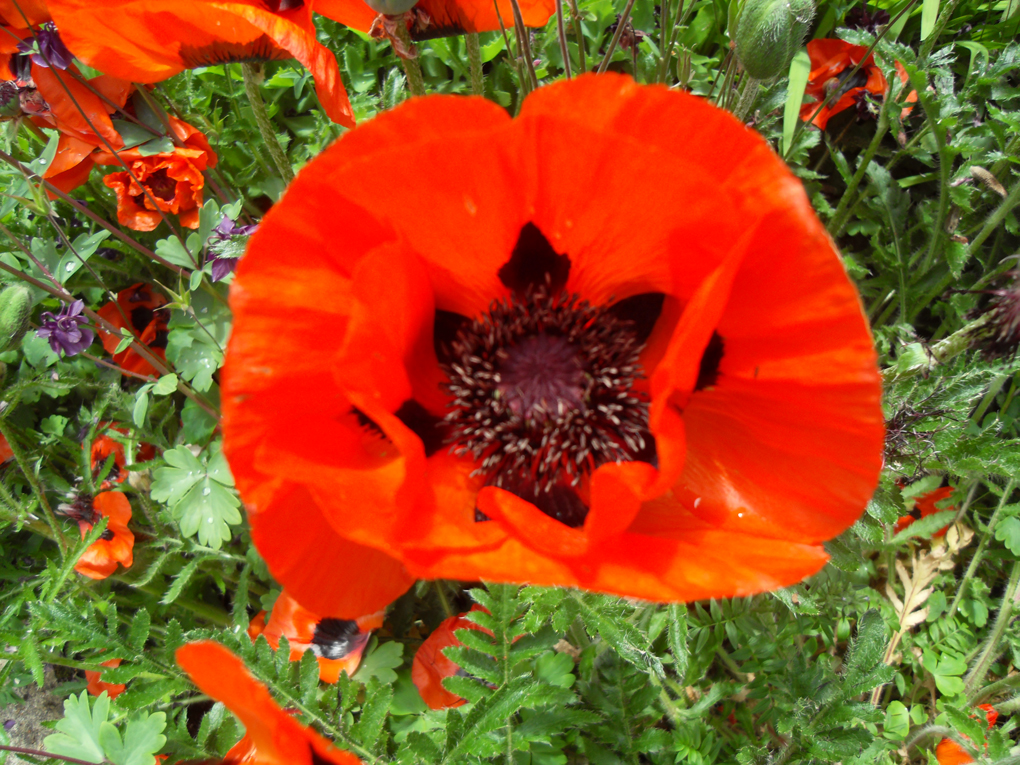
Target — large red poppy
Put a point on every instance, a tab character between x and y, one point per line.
443	18
272	737
116	545
151	40
431	666
445	261
140	309
337	643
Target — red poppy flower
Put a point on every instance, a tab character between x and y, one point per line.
151	40
6	452
431	665
173	180
441	18
116	544
948	752
337	643
96	686
831	64
925	506
272	737
540	376
103	446
140	309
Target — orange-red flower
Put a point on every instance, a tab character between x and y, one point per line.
103	446
925	506
441	18
6	452
140	309
115	545
337	643
488	358
172	181
272	737
151	40
949	752
431	665
831	64
96	686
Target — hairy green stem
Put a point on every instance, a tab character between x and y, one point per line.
620	26
991	649
474	52
252	77
839	218
940	353
415	80
999	215
575	20
979	553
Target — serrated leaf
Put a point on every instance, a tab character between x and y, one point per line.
142	739
181	581
373	714
381	662
28	652
79	730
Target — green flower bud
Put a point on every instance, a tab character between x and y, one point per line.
769	33
15	308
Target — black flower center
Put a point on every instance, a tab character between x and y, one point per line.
543	394
335	638
161	185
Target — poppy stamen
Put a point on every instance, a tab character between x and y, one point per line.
543	394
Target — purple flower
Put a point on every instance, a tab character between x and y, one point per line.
46	48
227	228
64	330
223	267
226	246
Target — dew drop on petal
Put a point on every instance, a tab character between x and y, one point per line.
206	491
697	501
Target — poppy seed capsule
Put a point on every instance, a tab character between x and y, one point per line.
15	308
769	32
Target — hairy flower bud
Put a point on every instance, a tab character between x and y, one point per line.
769	32
15	308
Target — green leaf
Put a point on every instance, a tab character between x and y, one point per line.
556	669
800	69
156	146
897	721
1008	532
380	662
133	135
197	494
165	385
172	250
929	13
79	730
181	581
142	739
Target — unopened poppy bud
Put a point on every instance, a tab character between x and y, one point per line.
15	308
769	32
391	7
843	629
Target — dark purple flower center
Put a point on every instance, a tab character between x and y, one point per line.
541	377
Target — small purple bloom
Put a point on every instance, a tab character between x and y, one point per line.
46	48
225	254
223	267
64	330
8	725
227	228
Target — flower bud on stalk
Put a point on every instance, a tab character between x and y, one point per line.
769	32
15	308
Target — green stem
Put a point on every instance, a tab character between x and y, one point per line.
940	26
920	82
620	26
748	95
839	218
979	553
474	51
993	221
575	20
940	353
561	34
252	76
415	81
991	650
21	458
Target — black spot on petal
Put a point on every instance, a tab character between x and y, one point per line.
367	422
445	327
141	317
534	263
425	425
318	759
642	311
334	638
708	371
